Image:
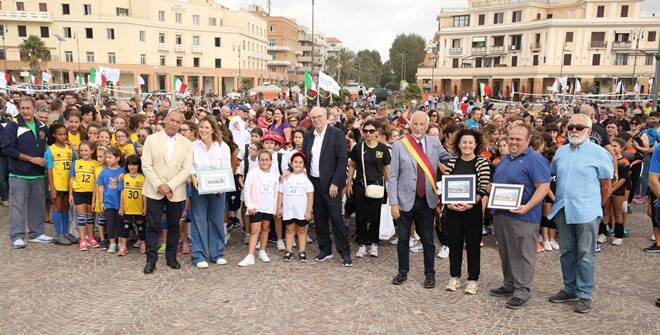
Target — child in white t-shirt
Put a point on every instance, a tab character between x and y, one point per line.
261	193
294	205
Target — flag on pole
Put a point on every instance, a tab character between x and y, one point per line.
328	83
484	90
46	77
563	81
140	80
178	86
3	80
96	78
555	87
79	80
32	79
638	88
309	83
619	87
578	86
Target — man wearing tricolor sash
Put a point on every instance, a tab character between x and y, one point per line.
412	193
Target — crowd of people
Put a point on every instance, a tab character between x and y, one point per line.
112	174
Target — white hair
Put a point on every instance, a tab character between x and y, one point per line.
583	118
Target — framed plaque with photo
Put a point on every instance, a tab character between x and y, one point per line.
215	181
505	196
458	189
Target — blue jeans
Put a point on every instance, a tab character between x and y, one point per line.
578	255
207	231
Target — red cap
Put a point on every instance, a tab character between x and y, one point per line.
273	137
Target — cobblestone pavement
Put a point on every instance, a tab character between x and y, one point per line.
49	289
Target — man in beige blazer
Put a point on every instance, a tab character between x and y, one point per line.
166	163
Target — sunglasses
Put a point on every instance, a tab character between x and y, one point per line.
577	127
369	131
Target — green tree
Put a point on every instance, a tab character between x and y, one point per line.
342	66
407	50
369	68
34	51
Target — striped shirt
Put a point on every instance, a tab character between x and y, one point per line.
479	165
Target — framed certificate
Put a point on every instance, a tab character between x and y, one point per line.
215	181
505	196
459	189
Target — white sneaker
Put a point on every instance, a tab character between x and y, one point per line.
481	244
601	238
246	239
554	245
453	284
394	241
221	261
18	244
362	251
547	246
617	241
112	248
202	265
416	237
248	260
652	237
136	244
263	256
373	251
280	245
412	242
483	231
41	239
417	247
471	287
444	252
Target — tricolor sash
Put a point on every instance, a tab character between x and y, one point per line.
420	157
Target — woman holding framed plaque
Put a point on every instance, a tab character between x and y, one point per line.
212	176
465	181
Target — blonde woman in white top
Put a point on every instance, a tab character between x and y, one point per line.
207	232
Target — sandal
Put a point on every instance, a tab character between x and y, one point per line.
122	251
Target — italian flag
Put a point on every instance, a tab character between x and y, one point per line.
309	83
34	80
95	78
79	80
484	90
178	85
10	79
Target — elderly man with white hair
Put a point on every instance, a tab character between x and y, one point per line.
578	210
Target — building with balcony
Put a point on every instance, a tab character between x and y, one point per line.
334	45
205	44
305	41
523	45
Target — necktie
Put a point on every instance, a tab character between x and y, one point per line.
421	179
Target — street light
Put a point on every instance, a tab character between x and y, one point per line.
561	68
403	57
637	36
655	80
237	46
60	39
75	35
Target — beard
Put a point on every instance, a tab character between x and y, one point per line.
577	140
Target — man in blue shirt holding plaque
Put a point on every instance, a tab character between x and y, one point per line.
583	171
516	229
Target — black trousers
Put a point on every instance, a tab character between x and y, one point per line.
173	212
423	216
324	207
367	216
464	228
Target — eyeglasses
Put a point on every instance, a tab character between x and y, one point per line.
434	115
577	127
369	131
183	130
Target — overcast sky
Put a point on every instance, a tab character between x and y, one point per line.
370	24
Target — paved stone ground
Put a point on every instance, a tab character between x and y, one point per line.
48	289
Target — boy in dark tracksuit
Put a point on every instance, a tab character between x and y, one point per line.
24	144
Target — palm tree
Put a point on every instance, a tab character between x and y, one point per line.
342	66
34	51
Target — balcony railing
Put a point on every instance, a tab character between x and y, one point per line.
536	46
479	50
19	15
163	46
597	44
496	48
279	48
180	48
621	45
278	63
514	47
197	49
454	10
305	59
455	51
492	3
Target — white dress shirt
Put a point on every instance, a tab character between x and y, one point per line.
217	157
170	141
316	152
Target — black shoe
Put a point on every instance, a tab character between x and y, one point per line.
429	282
346	261
583	305
322	257
72	238
657	302
103	245
174	264
515	303
288	256
652	249
149	268
399	278
562	297
302	256
501	292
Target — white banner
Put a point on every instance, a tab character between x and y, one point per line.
564	83
327	83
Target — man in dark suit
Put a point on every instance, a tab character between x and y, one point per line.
325	147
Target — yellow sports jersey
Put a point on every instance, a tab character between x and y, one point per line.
84	176
127	149
62	158
99	197
74	139
132	194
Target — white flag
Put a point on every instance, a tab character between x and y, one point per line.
619	87
140	80
45	77
564	83
3	80
555	87
637	88
651	84
327	83
578	86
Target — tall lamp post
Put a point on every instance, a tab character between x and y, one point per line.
237	46
75	35
637	36
403	57
60	39
318	95
655	80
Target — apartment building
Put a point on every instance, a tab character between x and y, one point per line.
208	46
523	45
